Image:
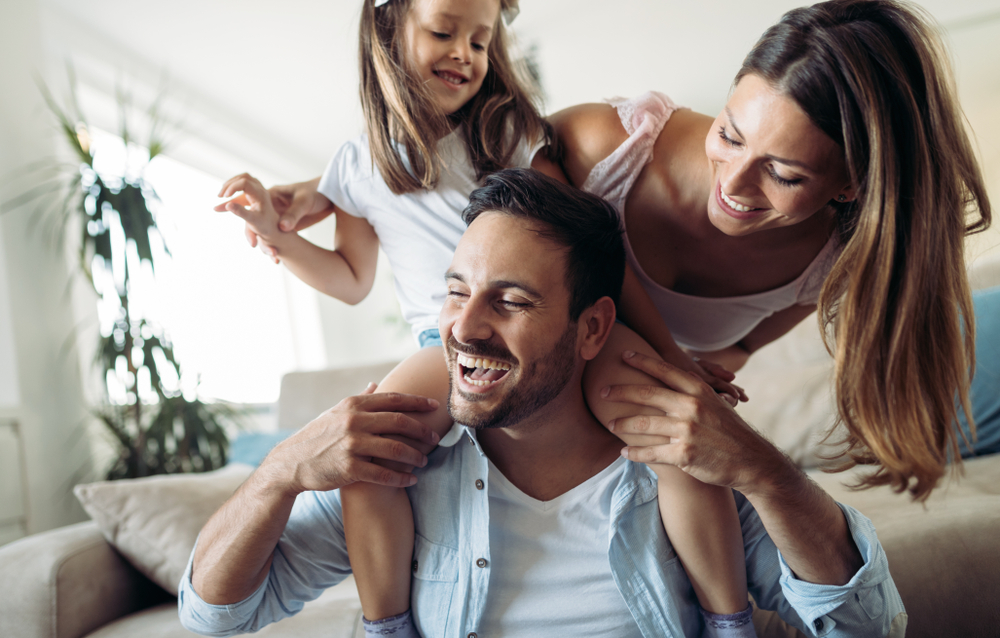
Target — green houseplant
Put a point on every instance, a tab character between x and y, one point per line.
153	426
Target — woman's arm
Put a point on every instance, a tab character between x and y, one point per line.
777	325
587	134
706	438
639	313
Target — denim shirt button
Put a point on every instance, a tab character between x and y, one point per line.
818	624
481	562
472	634
479	484
414	565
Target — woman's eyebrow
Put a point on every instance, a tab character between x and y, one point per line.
775	158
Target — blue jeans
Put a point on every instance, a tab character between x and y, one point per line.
430	337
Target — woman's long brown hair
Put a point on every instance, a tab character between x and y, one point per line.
403	123
896	310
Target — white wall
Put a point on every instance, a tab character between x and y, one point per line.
46	393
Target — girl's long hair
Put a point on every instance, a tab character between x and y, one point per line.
403	123
896	310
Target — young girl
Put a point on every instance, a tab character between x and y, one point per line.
444	107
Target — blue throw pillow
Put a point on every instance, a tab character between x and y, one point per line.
985	393
252	447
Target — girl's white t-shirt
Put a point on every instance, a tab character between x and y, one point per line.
418	231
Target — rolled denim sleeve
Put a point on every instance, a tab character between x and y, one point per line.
867	605
311	556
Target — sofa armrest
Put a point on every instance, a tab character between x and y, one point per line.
66	583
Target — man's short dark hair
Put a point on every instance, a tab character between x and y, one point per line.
585	224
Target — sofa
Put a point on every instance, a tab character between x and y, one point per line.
115	576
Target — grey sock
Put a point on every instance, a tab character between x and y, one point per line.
738	625
400	626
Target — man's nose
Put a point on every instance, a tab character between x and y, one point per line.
472	322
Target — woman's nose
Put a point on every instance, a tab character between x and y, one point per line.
736	178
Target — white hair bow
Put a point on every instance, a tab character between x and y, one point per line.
508	14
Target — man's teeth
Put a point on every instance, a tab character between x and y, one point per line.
489	364
737	207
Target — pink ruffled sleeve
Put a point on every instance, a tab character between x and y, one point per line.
643	118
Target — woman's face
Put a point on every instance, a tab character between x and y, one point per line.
771	166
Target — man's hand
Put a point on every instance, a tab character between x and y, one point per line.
237	544
337	448
701	433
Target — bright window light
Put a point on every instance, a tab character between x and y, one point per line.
224	305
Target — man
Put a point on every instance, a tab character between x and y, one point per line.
534	522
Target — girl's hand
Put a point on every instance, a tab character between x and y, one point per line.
253	205
300	205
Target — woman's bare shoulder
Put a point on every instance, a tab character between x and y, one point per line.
587	133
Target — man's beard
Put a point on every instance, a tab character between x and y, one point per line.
537	384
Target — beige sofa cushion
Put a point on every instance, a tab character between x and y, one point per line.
335	614
154	521
944	555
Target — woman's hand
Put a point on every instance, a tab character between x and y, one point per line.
700	432
717	377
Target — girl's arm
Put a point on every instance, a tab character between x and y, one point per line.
777	325
345	273
636	309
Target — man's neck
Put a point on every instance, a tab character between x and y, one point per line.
555	449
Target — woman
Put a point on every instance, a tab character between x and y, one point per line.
839	174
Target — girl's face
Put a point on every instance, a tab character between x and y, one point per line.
447	42
771	166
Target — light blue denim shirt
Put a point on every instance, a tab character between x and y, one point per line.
451	566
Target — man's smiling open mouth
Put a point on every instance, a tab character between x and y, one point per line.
480	371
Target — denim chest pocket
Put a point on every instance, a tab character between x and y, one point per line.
435	575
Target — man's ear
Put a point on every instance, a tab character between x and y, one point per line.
595	327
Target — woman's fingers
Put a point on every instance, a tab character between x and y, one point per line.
392	450
670	375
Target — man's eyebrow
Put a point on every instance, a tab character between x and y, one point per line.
498	284
505	284
780	160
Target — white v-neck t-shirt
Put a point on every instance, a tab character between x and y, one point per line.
549	567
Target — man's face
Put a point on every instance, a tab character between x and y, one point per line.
510	345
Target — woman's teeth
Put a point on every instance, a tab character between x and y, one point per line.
735	206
